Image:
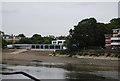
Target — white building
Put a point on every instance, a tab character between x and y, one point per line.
58	42
11	37
56	45
115	39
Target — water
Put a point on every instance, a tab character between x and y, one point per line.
44	70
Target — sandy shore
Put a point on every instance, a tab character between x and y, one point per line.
25	57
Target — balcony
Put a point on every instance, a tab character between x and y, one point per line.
115	43
115	38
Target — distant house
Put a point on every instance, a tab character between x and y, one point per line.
11	38
1	33
112	41
115	39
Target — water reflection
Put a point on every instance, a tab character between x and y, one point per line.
71	72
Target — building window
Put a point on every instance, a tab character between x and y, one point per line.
37	46
117	30
7	37
57	47
107	40
33	46
41	46
46	47
51	47
54	42
59	42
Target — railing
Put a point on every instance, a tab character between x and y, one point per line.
115	38
115	43
23	73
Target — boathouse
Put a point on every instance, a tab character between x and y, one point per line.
59	45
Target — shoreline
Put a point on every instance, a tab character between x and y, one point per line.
19	51
26	57
90	57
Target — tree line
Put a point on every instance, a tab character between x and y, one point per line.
35	39
89	34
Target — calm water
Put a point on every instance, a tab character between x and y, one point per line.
43	70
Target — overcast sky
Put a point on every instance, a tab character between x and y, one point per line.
52	18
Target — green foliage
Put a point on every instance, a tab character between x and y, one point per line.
89	33
114	24
21	35
36	36
4	43
25	41
9	42
48	39
36	39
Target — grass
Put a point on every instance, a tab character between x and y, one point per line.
99	52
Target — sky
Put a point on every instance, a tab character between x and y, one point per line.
52	18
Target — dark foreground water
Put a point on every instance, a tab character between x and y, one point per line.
60	72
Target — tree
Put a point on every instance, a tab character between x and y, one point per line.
21	35
25	41
36	36
36	39
90	33
48	39
114	24
9	42
84	31
4	43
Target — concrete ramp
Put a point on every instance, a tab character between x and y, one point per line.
19	51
